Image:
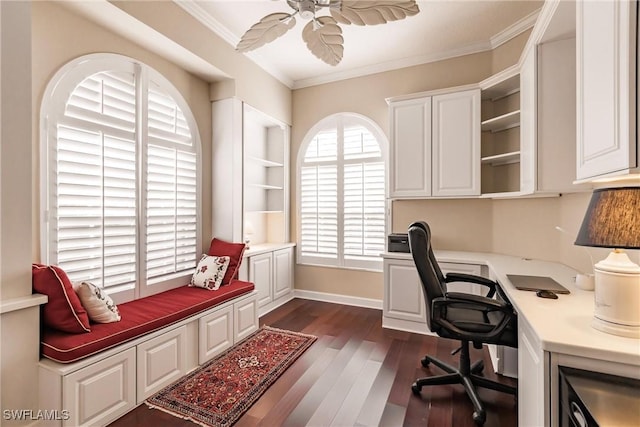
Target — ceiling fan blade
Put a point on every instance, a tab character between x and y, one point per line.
324	42
266	30
369	12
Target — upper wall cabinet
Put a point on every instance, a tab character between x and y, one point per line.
435	144
606	33
410	156
456	144
250	174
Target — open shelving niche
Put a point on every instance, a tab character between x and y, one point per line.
500	141
266	148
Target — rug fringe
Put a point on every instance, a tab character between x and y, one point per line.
176	414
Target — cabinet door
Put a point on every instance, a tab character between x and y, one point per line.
531	379
528	123
215	333
404	298
101	392
456	144
260	273
410	171
283	272
160	361
606	41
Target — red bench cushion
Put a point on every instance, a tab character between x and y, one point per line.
139	317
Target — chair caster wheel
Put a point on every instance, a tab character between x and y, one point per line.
415	388
479	418
425	362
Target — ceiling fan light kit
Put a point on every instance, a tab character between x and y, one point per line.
322	34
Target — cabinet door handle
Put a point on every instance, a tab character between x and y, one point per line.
578	415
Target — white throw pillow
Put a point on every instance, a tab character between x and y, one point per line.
100	307
210	272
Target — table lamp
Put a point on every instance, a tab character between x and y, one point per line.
612	220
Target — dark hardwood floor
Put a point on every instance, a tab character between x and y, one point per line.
356	374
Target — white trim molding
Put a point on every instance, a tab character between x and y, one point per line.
339	299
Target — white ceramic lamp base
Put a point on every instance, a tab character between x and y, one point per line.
617	296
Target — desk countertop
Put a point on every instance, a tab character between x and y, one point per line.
562	325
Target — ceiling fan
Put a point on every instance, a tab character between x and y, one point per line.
322	34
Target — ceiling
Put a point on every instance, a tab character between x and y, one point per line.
442	29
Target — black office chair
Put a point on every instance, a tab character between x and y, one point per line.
461	316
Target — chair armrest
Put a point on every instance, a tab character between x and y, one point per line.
472	278
481	302
472	302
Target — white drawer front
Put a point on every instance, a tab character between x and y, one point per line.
161	360
246	318
102	392
215	333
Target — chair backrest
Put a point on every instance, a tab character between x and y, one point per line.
426	264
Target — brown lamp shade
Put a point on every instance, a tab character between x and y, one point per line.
612	219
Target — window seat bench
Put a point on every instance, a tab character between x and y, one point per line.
96	377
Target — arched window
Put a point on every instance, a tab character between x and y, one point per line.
341	193
120	176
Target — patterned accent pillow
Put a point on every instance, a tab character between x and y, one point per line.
99	305
210	272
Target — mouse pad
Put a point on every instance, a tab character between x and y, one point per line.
536	283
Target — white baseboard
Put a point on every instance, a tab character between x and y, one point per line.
339	299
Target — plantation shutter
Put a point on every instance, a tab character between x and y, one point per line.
342	198
319	198
94	200
171	210
120	168
364	195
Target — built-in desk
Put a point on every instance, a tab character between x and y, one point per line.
552	333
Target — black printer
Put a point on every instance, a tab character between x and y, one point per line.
398	242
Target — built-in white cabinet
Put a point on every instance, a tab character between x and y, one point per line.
435	139
103	387
270	268
533	378
410	154
456	144
606	34
250	174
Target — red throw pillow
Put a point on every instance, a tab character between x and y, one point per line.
234	251
63	311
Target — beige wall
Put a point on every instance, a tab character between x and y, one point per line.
60	35
37	38
19	329
461	224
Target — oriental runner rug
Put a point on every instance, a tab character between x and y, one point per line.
217	393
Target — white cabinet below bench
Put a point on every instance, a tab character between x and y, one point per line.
270	268
101	388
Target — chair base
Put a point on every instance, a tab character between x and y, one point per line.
467	375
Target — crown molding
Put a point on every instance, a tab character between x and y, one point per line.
392	65
517	28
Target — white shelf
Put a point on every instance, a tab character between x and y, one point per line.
503	122
263	211
502	159
266	163
267	186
